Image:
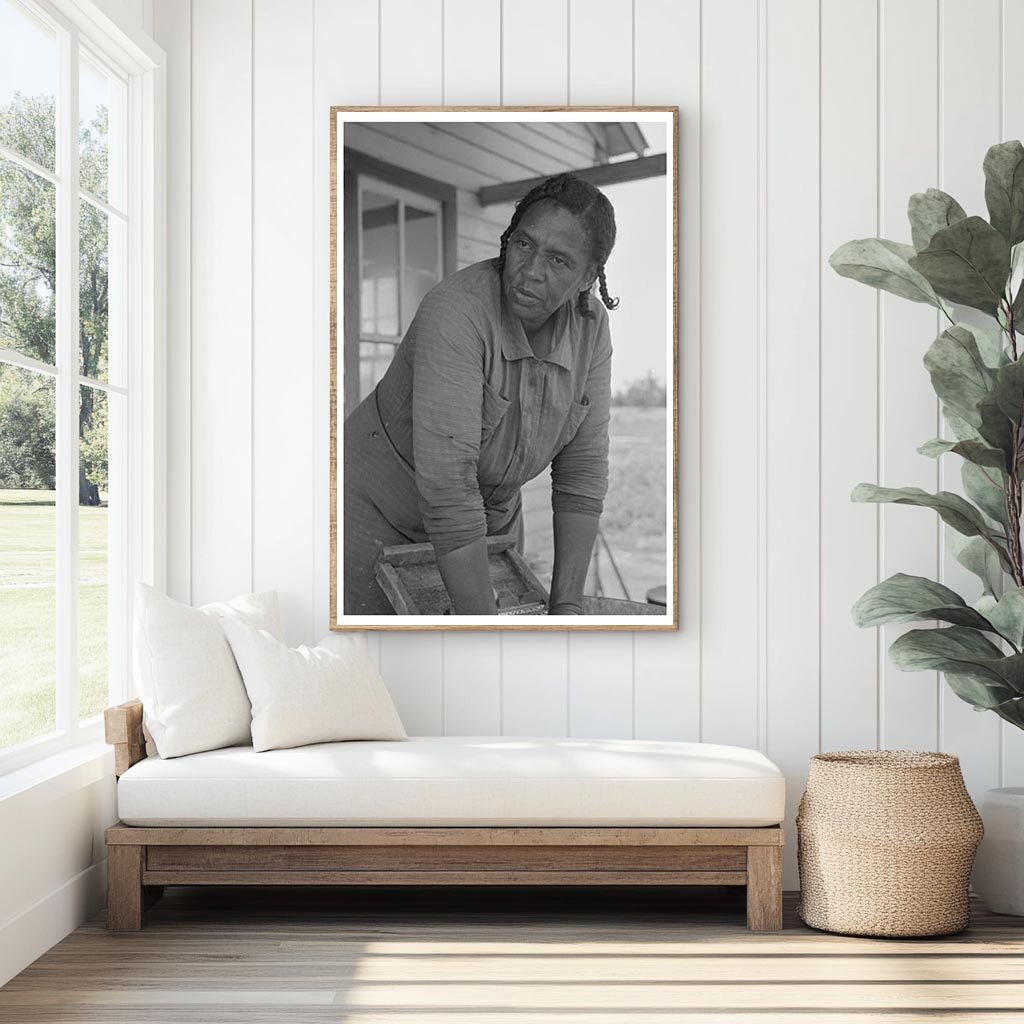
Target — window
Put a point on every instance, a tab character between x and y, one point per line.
73	394
400	226
399	262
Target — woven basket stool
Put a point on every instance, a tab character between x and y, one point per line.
885	843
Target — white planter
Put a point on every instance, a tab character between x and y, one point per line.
999	866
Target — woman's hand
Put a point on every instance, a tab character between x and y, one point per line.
565	609
575	533
467	578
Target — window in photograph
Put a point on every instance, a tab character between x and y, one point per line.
400	242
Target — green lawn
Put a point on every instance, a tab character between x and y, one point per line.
28	617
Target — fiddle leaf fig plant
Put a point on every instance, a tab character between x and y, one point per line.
978	375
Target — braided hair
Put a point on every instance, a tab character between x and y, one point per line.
595	214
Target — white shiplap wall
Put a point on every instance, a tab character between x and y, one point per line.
803	123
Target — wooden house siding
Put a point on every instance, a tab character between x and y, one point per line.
470	155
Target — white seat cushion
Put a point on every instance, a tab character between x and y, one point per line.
459	780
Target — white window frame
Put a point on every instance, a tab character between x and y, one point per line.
140	63
404	197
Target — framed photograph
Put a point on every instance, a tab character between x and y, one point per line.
504	374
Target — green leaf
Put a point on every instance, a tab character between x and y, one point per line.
962	430
973	451
980	692
1009	390
976	555
990	345
958	372
883	264
1006	614
903	598
1017	309
985	487
1016	270
954	510
1004	189
967	263
1011	711
996	428
932	211
964	652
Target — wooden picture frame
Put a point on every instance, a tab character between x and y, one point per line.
418	194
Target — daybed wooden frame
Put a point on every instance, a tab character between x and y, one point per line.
142	860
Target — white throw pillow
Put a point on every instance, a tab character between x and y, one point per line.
192	693
310	694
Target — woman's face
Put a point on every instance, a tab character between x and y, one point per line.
547	262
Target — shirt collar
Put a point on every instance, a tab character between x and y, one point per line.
514	344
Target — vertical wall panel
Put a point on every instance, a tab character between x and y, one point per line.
667	665
969	124
535	69
600	52
344	54
909	102
792	384
283	308
849	373
472	661
601	72
472	52
535	687
173	30
410	52
221	370
414	672
1012	127
472	684
600	685
411	73
729	387
534	56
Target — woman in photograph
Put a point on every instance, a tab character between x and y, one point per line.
504	371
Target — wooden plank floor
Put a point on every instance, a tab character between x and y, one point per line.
262	956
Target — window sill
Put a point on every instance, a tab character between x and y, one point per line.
56	776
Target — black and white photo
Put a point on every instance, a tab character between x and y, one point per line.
503	318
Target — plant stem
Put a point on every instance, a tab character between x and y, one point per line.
1012	498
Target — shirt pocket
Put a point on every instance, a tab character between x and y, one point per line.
492	412
577	414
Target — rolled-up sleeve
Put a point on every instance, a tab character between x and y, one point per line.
579	472
447	399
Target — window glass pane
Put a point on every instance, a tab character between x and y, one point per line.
422	259
100	251
93	550
101	122
28	263
28	85
421	241
374	360
416	285
379	283
28	564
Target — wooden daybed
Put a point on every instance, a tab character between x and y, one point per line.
143	858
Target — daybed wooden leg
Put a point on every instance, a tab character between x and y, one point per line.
124	888
764	888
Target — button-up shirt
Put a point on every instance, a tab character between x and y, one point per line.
474	413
